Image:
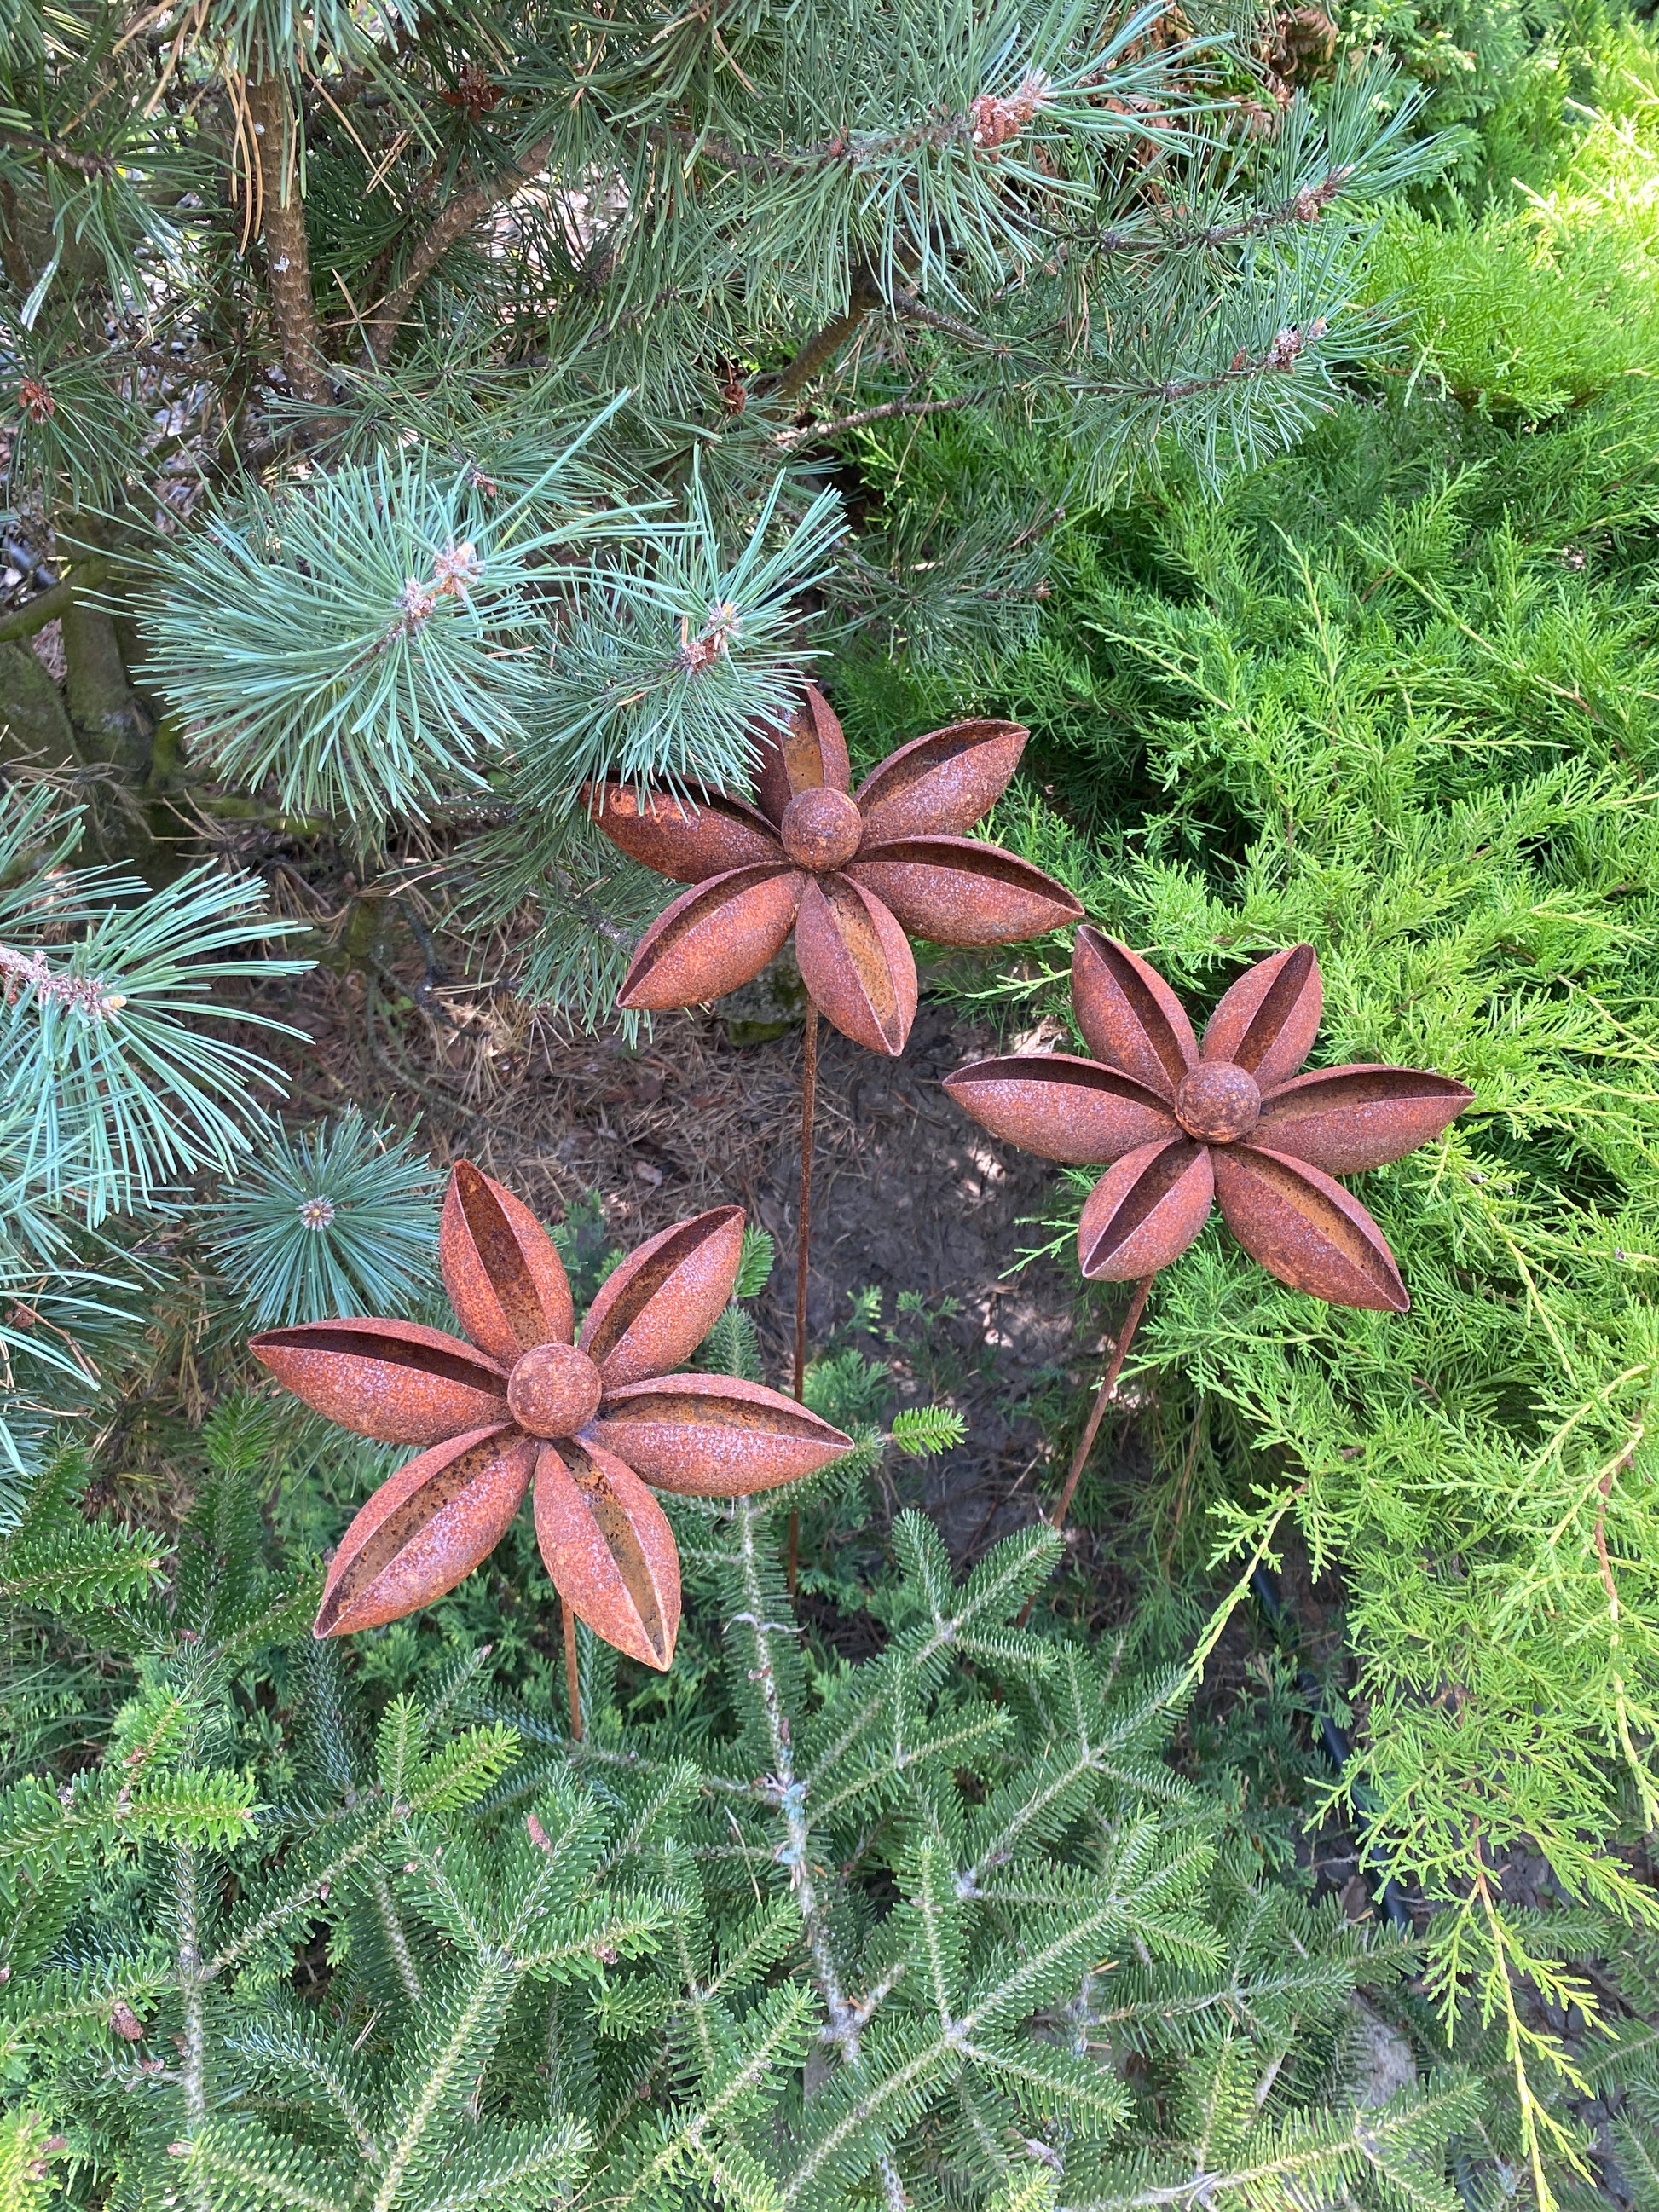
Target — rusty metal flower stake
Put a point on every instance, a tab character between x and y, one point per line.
597	1423
1179	1127
849	873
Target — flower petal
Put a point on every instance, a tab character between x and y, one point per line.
689	839
1128	1015
713	1435
940	785
1266	1022
1062	1108
856	963
390	1379
425	1528
503	1274
712	937
954	890
609	1548
654	1309
1145	1211
801	754
1344	1119
1307	1229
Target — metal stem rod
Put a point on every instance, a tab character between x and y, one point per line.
809	1100
1103	1397
572	1688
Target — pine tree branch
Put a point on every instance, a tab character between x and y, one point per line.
84	165
882	414
287	253
863	296
48	605
466	209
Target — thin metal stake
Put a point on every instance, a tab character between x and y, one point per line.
809	1099
572	1688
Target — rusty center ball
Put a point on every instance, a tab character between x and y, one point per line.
553	1391
1218	1103
821	828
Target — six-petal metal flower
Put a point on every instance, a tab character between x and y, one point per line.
850	872
593	1422
1177	1127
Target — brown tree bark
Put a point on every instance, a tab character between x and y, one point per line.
287	252
35	724
466	209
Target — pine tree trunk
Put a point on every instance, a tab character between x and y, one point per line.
287	252
112	723
34	724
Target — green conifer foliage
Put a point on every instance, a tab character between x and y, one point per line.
446	394
941	1927
1406	710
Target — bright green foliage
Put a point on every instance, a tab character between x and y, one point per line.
1418	732
1552	296
336	1218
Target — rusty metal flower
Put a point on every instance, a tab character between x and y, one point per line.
594	1422
850	872
1178	1126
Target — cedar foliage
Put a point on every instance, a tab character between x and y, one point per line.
1403	706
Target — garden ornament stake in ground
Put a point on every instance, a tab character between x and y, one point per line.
595	1422
1180	1127
850	872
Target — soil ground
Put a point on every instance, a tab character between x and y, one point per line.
911	1201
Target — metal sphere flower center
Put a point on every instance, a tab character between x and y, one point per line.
1218	1103
821	828
553	1391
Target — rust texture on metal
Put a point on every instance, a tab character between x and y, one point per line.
1180	1125
852	873
595	1425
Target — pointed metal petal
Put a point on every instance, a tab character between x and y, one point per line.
609	1550
503	1274
1345	1119
688	839
940	785
656	1308
954	890
1145	1211
800	755
390	1379
713	1435
856	963
425	1528
1062	1108
712	937
1266	1022
1307	1229
1129	1016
